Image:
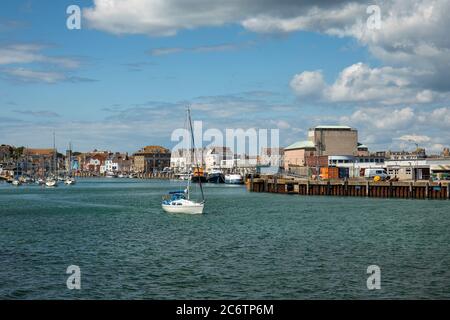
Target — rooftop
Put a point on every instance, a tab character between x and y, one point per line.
301	145
332	128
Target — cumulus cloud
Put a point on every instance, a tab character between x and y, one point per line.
308	83
165	18
360	83
412	39
401	128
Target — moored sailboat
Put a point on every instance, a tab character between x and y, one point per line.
52	180
180	201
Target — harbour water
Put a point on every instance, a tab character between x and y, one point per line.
245	246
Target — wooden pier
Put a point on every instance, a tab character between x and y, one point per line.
347	188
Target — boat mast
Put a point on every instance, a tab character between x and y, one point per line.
193	149
70	160
54	154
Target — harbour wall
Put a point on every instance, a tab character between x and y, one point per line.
159	176
348	188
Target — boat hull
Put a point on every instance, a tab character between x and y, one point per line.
51	184
216	178
198	179
184	209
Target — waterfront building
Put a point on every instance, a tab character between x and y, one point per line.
357	165
111	165
93	163
446	153
295	155
5	152
182	160
151	159
334	140
419	153
40	161
215	155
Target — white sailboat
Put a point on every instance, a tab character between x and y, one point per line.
16	182
52	181
69	180
180	201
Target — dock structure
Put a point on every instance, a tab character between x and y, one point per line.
348	188
156	176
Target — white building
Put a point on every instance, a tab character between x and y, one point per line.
182	160
215	155
357	164
111	165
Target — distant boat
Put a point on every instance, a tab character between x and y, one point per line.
110	174
69	181
16	182
234	179
198	175
215	176
185	176
51	182
180	201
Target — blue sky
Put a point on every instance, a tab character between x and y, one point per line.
104	89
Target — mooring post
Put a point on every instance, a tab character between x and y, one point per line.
448	191
427	190
390	189
367	188
346	187
410	190
307	188
251	183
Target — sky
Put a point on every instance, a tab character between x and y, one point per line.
123	80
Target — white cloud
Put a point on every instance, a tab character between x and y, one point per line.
308	83
360	83
400	128
415	138
28	75
166	17
31	53
23	60
413	33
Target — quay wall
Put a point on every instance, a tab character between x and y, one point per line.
348	188
159	176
